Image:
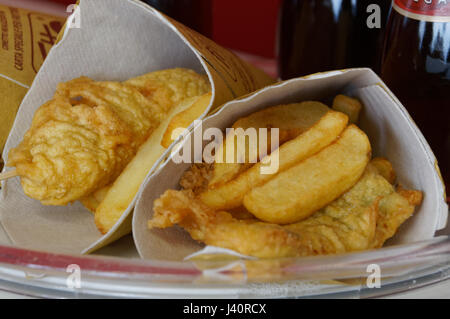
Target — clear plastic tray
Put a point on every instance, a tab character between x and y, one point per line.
402	268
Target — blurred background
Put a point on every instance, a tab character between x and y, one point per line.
239	30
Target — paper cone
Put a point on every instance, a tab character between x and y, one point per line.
110	40
391	130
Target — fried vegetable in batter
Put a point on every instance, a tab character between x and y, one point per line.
81	140
363	218
72	150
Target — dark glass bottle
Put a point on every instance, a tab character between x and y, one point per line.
416	67
323	35
196	14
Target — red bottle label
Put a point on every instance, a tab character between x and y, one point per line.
425	10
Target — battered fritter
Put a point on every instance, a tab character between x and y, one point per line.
363	218
83	138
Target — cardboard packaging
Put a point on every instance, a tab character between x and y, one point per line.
26	38
391	130
110	40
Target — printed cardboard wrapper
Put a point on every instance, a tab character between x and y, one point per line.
116	40
391	130
27	37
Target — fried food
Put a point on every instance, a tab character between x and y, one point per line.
298	192
72	150
182	120
385	168
81	140
323	133
394	210
197	178
350	106
170	87
126	186
356	221
326	198
138	113
94	200
249	237
291	120
344	214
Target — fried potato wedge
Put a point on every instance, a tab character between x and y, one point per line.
320	135
291	120
393	208
350	106
94	200
126	186
298	192
183	119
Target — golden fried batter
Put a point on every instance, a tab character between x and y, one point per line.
394	210
80	141
361	219
197	178
70	151
139	113
170	87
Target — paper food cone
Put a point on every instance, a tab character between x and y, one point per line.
391	130
110	40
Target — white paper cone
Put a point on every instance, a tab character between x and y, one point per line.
391	131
